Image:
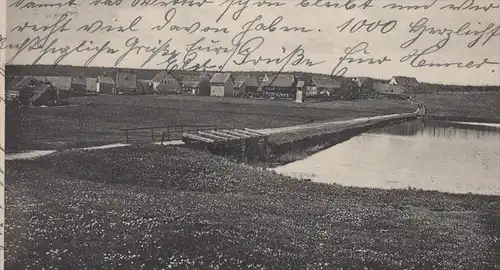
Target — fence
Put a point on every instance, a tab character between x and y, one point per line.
161	133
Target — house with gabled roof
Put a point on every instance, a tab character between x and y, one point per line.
405	84
44	94
280	86
105	84
62	83
190	84
251	82
222	85
78	84
125	82
239	88
326	85
145	87
166	83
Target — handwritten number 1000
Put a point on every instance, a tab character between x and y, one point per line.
385	27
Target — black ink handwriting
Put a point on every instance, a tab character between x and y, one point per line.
469	5
21	4
349	57
409	7
421	26
158	3
346	4
416	59
134	45
108	3
194	27
100	26
385	27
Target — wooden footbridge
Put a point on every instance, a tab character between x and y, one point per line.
223	136
242	143
230	141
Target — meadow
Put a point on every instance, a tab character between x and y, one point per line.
463	106
158	207
98	120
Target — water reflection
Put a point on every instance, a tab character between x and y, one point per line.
431	155
433	128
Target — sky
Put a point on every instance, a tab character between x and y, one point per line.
324	44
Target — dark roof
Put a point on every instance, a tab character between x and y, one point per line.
220	77
327	82
164	75
281	80
19	82
406	81
105	79
382	87
78	80
249	80
239	83
38	91
126	80
59	82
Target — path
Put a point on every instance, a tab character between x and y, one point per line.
39	153
331	123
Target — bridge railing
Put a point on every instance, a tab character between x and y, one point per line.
160	133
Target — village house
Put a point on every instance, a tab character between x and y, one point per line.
126	82
29	91
251	82
62	83
239	88
403	84
91	84
44	94
204	84
263	78
79	84
325	86
388	89
280	86
338	88
222	85
145	86
165	83
365	85
190	85
105	85
19	89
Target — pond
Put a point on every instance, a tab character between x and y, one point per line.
453	157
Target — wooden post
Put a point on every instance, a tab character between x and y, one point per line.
126	135
162	137
168	133
152	135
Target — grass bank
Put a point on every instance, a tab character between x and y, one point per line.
472	106
98	120
155	207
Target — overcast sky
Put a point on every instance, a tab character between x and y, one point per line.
325	45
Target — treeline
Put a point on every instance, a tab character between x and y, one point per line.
436	88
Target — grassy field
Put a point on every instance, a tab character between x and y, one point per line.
161	207
483	107
101	118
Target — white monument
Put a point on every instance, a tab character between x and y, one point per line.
298	96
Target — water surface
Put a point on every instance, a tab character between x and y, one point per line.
431	155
